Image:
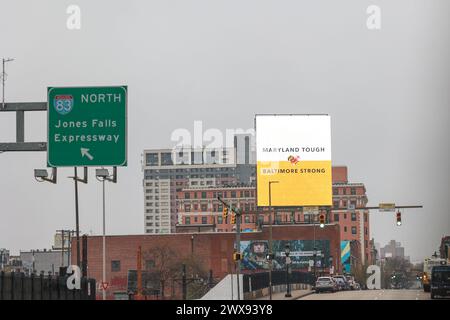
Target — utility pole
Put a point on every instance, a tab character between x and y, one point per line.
3	79
62	248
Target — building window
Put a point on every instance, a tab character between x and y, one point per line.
204	220
166	159
233	194
115	265
187	220
195	219
187	208
353	191
345	216
353	216
365	217
247	194
345	229
335	191
219	220
149	224
203	195
151	159
247	219
365	231
335	204
336	217
187	195
204	207
347	191
353	230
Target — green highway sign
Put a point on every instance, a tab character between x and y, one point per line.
87	126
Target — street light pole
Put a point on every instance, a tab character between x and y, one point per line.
270	238
104	241
103	175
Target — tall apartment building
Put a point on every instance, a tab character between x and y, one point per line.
167	171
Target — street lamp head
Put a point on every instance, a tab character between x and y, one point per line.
322	225
40	173
102	173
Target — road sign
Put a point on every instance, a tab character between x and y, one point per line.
87	126
387	207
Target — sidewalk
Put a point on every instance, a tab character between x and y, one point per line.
295	295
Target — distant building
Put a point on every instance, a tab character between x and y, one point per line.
392	250
168	171
445	248
4	258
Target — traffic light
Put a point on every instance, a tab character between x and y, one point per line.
225	213
399	218
236	256
233	218
322	220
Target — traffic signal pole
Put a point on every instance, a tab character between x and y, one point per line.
238	249
237	216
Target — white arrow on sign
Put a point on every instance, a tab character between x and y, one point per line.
85	152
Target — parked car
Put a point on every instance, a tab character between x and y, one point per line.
342	282
325	284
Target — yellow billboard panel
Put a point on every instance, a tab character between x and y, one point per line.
294	157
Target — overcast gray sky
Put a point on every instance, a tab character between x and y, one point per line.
221	62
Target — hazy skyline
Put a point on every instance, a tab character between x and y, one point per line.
222	62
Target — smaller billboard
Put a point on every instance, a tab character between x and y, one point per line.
301	252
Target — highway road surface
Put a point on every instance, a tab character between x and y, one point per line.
371	295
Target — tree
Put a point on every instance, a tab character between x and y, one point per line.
161	259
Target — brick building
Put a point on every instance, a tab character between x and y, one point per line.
212	250
198	209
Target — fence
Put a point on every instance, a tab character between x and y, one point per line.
18	286
257	281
